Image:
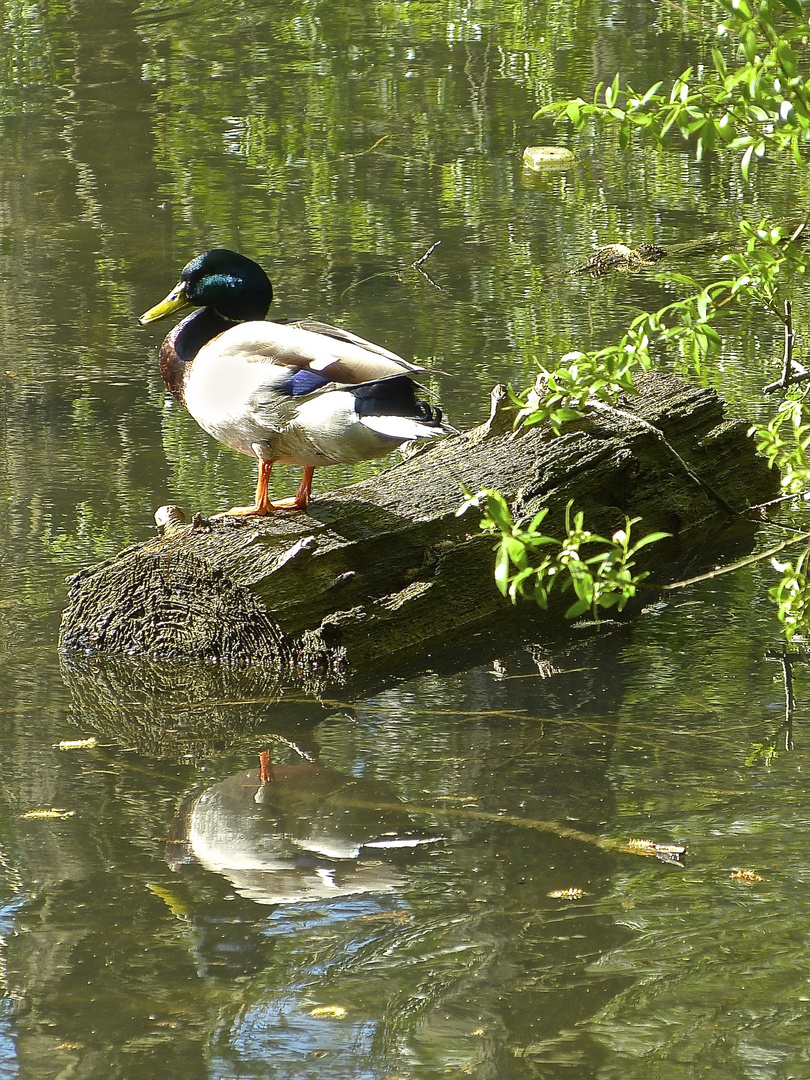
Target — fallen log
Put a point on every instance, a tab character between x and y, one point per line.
385	570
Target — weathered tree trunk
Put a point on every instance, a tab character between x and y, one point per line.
377	571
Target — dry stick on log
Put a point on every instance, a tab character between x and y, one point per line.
377	575
715	496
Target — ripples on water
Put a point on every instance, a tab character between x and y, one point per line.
136	136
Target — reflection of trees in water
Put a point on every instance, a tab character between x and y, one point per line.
466	957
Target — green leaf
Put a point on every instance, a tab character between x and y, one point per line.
502	568
719	62
748	40
787	58
611	599
541	595
499	511
516	551
579	608
650	538
538	519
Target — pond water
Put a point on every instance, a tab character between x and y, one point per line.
145	929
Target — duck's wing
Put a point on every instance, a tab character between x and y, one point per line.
307	359
339	334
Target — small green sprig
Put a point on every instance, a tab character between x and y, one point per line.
529	564
729	104
785	440
792	595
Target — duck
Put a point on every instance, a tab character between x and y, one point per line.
297	833
295	393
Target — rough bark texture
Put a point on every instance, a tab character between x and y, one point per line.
385	568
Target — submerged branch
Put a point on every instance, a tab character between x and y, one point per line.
667	853
749	560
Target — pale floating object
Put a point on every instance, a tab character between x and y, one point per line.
567	894
333	1012
748	877
542	158
76	744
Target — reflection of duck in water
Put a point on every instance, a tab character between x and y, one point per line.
285	834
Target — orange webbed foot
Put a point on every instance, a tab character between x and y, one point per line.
262	506
302	497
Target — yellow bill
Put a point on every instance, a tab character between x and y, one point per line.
175	301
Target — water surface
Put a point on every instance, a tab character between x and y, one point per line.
336	145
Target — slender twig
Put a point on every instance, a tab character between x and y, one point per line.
749	561
667	853
792	371
790	697
426	256
804	495
715	496
801	375
786	660
790	339
371	148
418	265
371	277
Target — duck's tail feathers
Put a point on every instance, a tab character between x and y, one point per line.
404	429
390	407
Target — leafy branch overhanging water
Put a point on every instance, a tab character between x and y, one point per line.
754	102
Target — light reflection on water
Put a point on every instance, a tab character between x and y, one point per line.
142	137
470	961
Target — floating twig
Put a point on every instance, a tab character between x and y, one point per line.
672	854
417	265
426	256
371	148
748	561
397	274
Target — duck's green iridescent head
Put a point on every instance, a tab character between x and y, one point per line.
235	286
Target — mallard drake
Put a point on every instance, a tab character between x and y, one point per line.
299	393
287	834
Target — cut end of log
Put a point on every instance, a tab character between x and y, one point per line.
168	606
